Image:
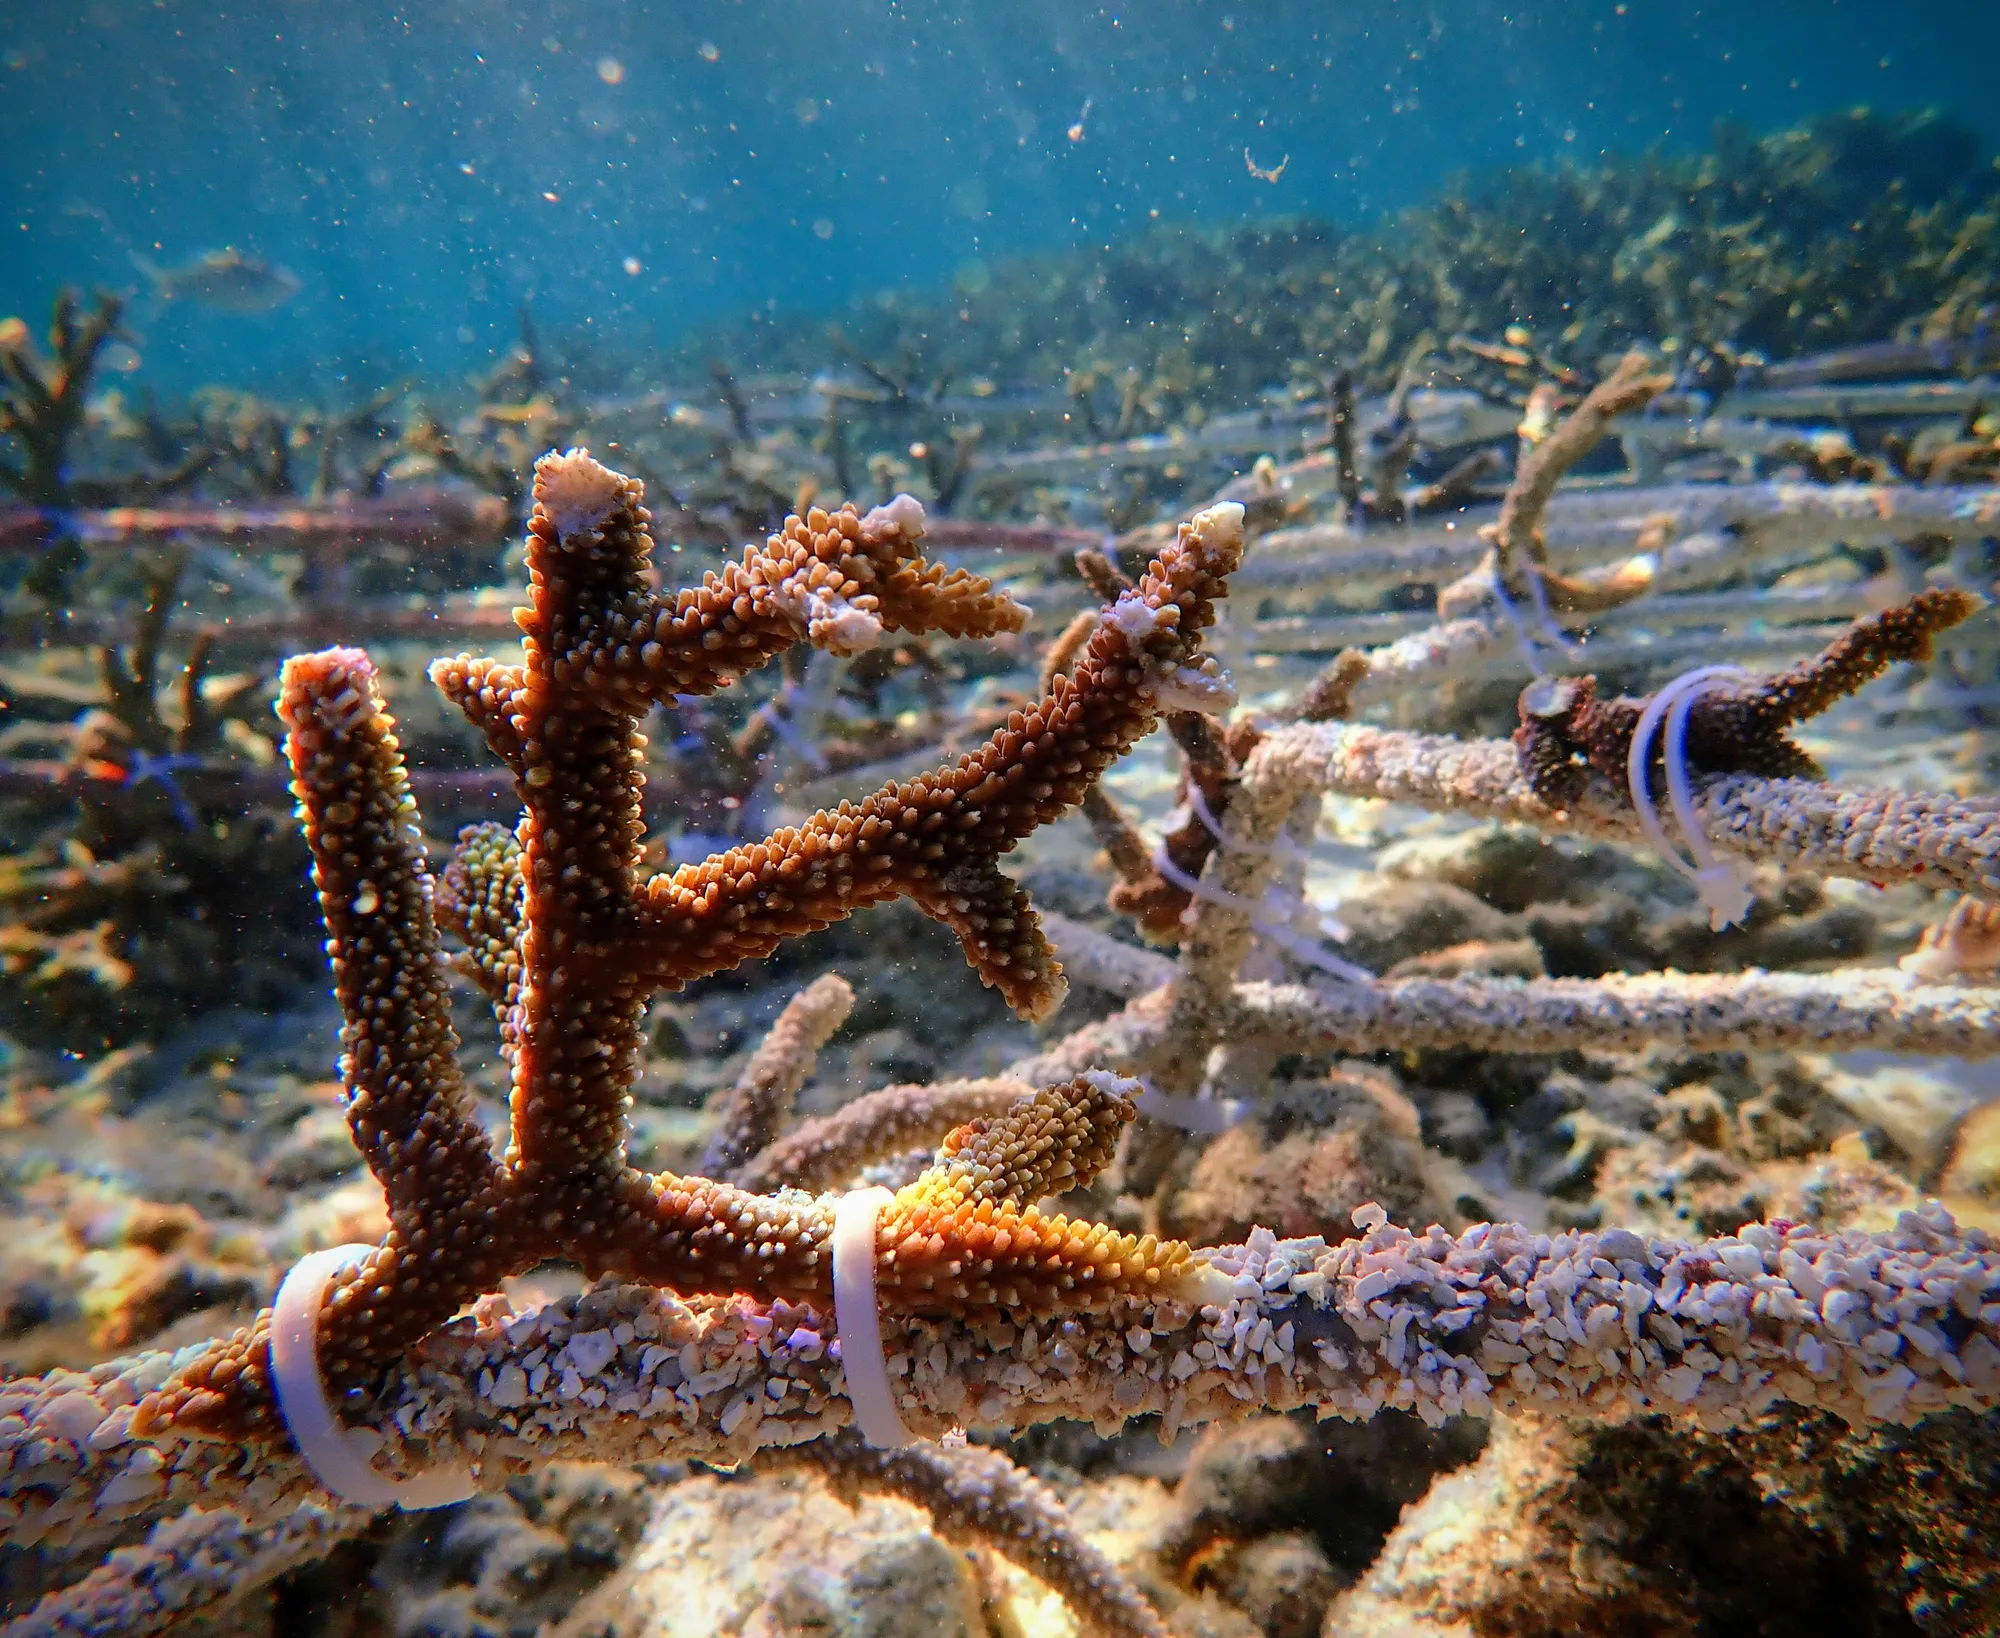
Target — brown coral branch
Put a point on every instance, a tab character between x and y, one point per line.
761	1099
978	1498
569	943
823	1153
1517	536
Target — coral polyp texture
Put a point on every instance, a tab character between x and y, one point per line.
571	941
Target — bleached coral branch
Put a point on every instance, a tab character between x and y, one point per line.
1693	1012
1798	824
187	1567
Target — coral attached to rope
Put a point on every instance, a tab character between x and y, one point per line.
569	941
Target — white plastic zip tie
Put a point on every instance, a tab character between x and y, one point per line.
1201	1115
1308	950
1724	884
1283	848
338	1456
858	1323
1528	641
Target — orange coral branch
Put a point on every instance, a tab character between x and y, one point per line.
568	943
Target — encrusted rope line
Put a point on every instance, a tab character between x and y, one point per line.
858	1322
338	1456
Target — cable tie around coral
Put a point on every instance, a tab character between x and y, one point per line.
1724	884
1203	1116
1283	848
337	1456
858	1322
1308	950
1545	624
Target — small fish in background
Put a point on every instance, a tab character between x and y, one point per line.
226	280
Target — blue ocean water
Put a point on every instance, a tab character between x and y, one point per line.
640	168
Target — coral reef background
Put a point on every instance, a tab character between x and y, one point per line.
1376	404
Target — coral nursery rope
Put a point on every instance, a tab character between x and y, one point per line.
858	1322
1723	884
338	1456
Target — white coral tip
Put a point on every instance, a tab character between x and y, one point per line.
576	492
1220	524
902	516
1725	888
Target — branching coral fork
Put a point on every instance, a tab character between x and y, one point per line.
569	942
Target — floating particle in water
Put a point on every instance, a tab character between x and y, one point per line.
1075	132
120	356
822	227
1266	173
709	52
807	109
610	70
632	265
553	198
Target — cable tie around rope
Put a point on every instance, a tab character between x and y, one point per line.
1289	939
337	1456
858	1323
1544	625
1724	884
1284	847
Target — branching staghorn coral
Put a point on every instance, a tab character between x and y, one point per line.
1741	727
1872	1328
42	399
1512	599
1690	526
1799	824
1164	1036
1168	1035
595	941
818	1154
